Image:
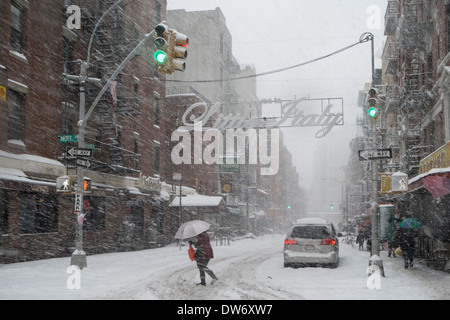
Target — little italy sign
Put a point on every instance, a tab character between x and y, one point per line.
291	116
209	125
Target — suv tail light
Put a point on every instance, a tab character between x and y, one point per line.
328	242
290	241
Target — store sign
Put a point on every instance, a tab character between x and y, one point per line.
438	159
2	93
148	184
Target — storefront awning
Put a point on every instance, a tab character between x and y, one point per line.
436	181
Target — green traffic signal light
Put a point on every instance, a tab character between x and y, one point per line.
372	112
160	57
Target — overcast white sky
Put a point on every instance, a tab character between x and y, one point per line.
277	34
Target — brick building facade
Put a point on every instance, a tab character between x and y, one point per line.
129	132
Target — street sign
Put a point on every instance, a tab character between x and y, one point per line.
77	209
176	176
83	163
80	152
375	154
68	138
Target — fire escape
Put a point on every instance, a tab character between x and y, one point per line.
412	45
112	43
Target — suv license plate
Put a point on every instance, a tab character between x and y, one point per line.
309	247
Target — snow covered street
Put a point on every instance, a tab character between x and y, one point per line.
247	269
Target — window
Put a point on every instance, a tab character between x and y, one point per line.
94	207
4	226
18	26
447	14
156	158
69	63
158	12
311	232
16	115
38	213
69	116
156	109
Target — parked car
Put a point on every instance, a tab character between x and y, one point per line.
311	241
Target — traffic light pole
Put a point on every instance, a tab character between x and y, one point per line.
375	258
79	256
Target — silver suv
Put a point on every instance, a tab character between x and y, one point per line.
311	241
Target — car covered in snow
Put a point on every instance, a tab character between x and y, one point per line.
311	241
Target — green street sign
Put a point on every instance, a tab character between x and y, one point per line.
68	138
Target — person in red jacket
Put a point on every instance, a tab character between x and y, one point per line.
203	254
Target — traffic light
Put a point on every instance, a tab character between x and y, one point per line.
178	50
372	108
87	184
161	54
331	206
64	184
171	49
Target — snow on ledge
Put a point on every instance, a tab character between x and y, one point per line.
196	200
31	164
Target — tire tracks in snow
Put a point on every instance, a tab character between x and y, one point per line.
237	281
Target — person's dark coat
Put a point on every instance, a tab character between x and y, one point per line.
203	247
406	241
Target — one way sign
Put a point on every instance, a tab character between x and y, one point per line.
81	152
375	154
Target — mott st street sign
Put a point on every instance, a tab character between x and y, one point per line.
375	154
68	138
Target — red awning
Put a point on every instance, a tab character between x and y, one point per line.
438	186
436	181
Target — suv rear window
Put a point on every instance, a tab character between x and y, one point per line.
310	232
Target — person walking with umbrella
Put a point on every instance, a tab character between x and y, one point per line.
406	239
195	232
203	254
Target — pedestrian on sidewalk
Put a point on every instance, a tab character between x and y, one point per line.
360	240
407	243
393	245
203	254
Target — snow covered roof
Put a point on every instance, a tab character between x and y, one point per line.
432	171
30	157
20	176
196	200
